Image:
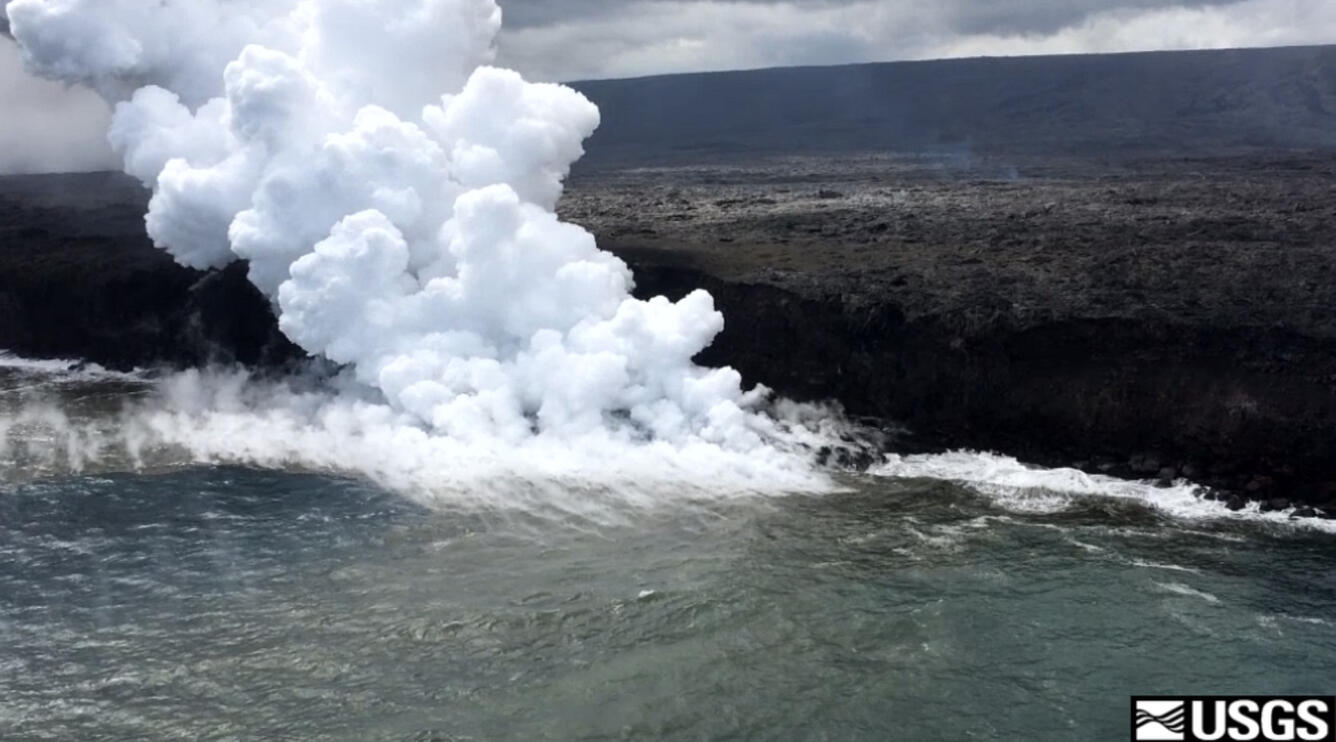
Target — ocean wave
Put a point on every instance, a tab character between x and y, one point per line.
1020	488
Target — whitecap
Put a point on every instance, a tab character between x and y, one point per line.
1179	588
1028	489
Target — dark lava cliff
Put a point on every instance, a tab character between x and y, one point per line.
1155	319
80	279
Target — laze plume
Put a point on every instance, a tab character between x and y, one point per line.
394	196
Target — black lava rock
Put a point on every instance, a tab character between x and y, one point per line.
1275	504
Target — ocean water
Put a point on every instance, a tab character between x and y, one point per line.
951	598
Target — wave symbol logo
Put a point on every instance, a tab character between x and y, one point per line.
1160	721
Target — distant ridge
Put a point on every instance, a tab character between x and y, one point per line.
1189	102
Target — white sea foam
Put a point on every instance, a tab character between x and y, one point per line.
1179	588
1158	565
1021	488
1310	620
12	362
59	370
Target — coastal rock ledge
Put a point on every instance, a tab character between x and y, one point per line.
1155	320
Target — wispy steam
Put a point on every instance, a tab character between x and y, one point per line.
46	126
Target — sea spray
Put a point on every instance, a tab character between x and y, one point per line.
164	422
394	196
1032	490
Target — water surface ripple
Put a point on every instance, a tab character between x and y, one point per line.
224	603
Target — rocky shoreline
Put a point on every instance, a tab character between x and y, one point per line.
1152	319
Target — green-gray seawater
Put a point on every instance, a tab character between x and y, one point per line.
226	603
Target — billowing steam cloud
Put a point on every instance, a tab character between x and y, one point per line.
405	233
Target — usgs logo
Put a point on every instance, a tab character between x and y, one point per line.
1233	718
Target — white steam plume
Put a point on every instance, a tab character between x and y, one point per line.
405	233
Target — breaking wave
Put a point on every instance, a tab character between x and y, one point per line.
1026	489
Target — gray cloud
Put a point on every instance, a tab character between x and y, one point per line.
960	16
612	38
45	126
965	17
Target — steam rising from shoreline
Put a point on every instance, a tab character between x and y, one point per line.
57	419
394	196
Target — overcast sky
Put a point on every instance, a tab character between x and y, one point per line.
576	39
572	39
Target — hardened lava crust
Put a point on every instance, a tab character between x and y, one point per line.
1156	318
